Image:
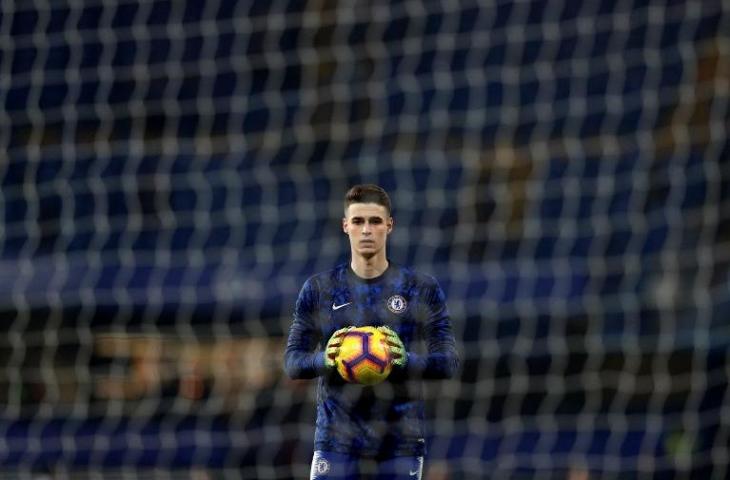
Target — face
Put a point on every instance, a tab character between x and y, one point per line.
368	226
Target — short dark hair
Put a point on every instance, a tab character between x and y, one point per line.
367	193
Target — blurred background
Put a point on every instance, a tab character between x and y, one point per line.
172	171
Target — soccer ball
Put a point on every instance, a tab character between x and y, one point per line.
364	356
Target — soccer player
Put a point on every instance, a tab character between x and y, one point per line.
380	425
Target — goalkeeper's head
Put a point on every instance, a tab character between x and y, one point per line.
368	193
367	221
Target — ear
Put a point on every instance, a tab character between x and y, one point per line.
344	224
391	223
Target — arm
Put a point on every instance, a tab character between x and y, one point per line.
441	360
302	359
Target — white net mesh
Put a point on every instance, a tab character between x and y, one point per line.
172	171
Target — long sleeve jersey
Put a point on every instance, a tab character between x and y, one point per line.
387	419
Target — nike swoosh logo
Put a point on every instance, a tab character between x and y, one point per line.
417	472
337	307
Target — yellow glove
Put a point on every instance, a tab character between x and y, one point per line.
333	347
397	349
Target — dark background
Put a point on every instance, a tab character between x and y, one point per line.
172	172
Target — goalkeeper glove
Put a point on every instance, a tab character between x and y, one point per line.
333	347
397	349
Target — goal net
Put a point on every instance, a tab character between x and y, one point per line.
172	171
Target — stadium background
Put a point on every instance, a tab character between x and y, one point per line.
172	171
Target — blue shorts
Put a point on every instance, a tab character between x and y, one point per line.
340	466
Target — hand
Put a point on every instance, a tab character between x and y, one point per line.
397	349
333	347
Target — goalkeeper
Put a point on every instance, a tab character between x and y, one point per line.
382	424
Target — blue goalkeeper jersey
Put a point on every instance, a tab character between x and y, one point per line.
384	420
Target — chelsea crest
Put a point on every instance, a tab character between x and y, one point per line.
397	304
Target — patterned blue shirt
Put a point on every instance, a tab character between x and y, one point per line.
387	419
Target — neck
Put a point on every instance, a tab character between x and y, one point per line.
369	267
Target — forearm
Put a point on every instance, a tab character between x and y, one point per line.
441	360
439	364
300	364
302	358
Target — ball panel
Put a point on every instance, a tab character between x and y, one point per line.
364	356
